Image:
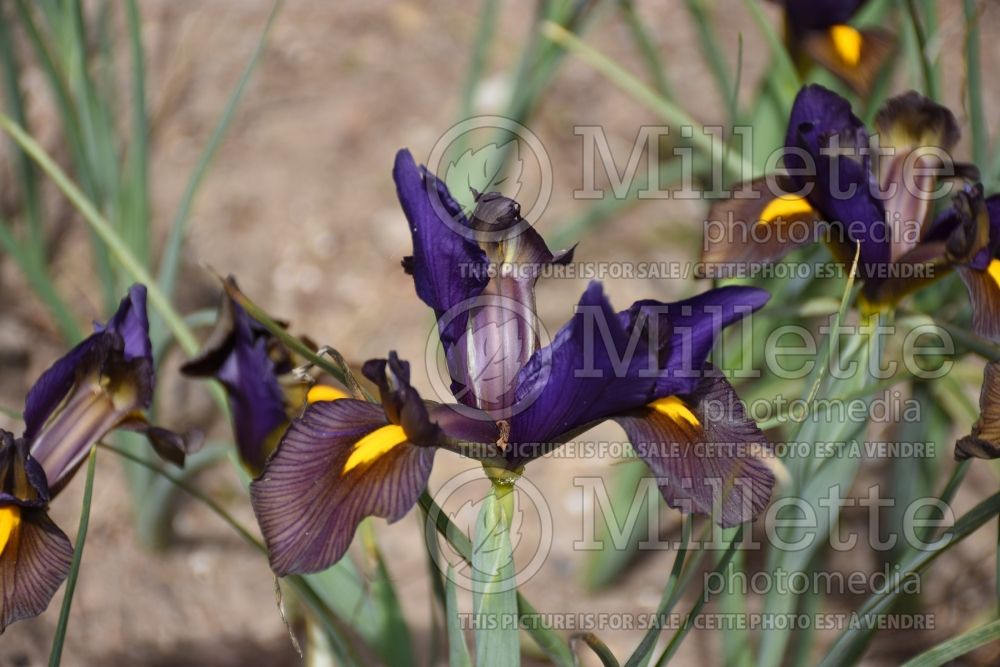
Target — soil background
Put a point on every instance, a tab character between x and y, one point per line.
300	206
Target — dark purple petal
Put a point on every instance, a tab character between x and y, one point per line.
52	386
603	363
309	501
239	358
401	403
126	333
688	330
447	266
131	322
106	391
708	457
35	558
969	227
461	423
844	187
808	15
592	369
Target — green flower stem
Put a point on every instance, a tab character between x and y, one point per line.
74	572
546	638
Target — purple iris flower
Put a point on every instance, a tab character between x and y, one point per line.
103	383
877	192
820	31
645	368
849	187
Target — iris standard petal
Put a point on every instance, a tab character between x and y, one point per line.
52	386
708	457
448	267
131	322
338	463
106	390
502	333
843	190
125	338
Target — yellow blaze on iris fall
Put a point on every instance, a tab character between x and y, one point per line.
322	392
374	445
994	270
784	207
847	43
10	519
674	409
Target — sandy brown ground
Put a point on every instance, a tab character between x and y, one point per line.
300	206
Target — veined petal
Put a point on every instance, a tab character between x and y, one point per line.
34	554
34	561
984	441
761	229
107	390
984	293
338	463
502	333
708	457
855	55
